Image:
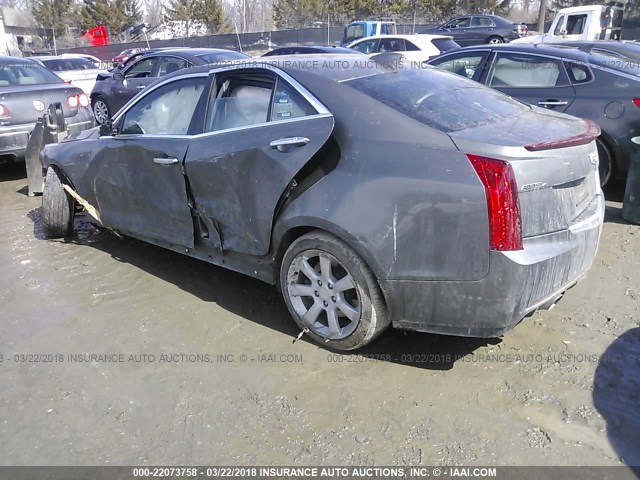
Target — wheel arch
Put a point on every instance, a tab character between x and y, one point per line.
285	234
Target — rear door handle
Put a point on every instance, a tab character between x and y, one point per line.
553	103
282	144
140	87
165	161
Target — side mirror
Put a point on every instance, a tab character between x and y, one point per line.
118	77
106	129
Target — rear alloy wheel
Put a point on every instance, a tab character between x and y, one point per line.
331	293
58	207
495	40
605	167
100	110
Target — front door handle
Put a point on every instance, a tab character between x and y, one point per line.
282	144
165	161
553	103
140	87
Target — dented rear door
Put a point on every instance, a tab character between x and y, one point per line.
237	178
239	174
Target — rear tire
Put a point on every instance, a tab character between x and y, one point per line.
58	207
331	292
495	40
605	166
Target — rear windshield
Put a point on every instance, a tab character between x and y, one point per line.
444	101
65	64
221	56
25	73
444	44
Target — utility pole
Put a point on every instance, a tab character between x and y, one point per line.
541	15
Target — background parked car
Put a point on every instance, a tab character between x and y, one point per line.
477	29
589	85
77	71
124	55
112	90
370	195
306	49
97	63
26	91
413	47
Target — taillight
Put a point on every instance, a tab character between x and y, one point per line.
75	100
636	101
72	101
3	111
503	204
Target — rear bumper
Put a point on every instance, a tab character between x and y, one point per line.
14	139
516	285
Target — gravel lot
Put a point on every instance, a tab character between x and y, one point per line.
194	364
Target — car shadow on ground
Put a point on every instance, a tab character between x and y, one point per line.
257	301
616	396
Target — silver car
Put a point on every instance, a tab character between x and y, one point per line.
369	195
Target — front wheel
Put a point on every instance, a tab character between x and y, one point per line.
58	206
494	40
331	292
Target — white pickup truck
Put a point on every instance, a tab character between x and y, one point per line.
588	22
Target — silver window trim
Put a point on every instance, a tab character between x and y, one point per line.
321	110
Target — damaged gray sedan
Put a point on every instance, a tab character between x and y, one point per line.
370	196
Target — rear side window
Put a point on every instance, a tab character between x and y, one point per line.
513	70
438	99
25	73
444	44
578	73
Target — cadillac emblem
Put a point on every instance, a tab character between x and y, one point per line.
38	105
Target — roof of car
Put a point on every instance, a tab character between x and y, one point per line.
337	67
416	37
540	48
320	48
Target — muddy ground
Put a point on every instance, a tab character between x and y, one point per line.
563	388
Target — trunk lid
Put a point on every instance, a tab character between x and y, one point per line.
22	101
554	159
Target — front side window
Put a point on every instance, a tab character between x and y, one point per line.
168	110
368	46
468	65
459	23
513	70
142	69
